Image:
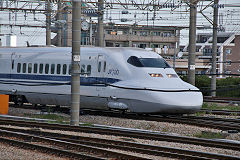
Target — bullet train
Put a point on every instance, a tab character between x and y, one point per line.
129	79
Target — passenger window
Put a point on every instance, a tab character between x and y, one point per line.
24	68
64	69
29	67
35	67
89	69
12	64
58	68
46	68
104	66
69	69
83	69
41	68
99	66
18	67
52	68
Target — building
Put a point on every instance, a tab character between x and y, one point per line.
164	38
228	54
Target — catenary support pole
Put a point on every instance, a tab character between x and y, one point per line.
100	36
192	42
48	23
214	48
75	72
59	24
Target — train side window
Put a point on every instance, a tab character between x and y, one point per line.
70	69
58	68
88	69
24	68
41	68
46	68
52	68
35	68
104	66
12	64
18	67
83	68
99	66
64	70
29	67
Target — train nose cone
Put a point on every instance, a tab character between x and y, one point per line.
184	102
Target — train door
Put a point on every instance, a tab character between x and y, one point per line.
100	78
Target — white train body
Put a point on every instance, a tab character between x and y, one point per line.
111	78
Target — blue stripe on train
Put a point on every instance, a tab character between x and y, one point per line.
85	81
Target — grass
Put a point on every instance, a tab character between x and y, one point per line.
210	135
57	118
213	106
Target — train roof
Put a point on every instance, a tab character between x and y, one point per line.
63	52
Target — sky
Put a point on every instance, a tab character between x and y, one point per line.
229	19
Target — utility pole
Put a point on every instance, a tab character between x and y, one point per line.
192	42
75	74
48	23
100	36
176	47
59	24
214	48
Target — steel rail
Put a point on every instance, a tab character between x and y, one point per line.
174	119
70	147
45	149
229	124
142	134
128	146
222	112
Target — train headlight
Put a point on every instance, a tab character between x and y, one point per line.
172	76
155	75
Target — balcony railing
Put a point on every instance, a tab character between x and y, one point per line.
137	38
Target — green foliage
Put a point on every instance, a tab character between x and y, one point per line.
57	118
210	135
213	106
226	87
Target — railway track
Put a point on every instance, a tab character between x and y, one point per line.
222	112
222	100
106	130
80	143
210	122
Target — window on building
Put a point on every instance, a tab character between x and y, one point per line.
52	68
58	68
229	62
64	69
41	68
24	68
29	67
46	68
228	51
35	68
143	33
18	67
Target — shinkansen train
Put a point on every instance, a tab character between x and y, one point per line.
131	79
